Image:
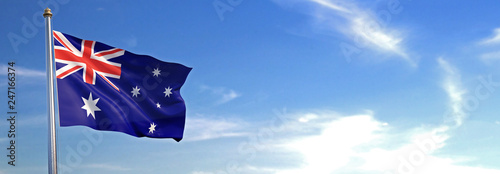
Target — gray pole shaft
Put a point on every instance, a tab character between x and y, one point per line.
50	94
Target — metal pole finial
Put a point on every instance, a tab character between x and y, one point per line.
47	13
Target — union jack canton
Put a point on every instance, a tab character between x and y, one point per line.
111	89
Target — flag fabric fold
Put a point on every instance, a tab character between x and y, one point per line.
107	88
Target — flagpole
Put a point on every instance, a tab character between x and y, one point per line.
50	92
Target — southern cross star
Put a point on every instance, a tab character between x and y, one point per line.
156	72
152	128
168	91
135	91
90	105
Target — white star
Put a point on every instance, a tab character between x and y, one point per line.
156	72
152	128
135	91
168	91
158	105
90	105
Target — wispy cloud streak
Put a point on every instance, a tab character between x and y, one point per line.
21	71
107	167
490	45
494	39
453	87
203	128
225	95
357	23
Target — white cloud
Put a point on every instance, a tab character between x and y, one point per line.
204	128
224	95
490	55
363	144
33	120
333	148
357	23
453	87
107	167
229	95
333	6
21	71
494	39
378	38
198	172
327	142
342	140
490	47
447	165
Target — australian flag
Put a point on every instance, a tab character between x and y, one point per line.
111	89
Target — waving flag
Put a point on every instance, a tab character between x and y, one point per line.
108	88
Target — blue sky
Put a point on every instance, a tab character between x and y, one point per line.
279	86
